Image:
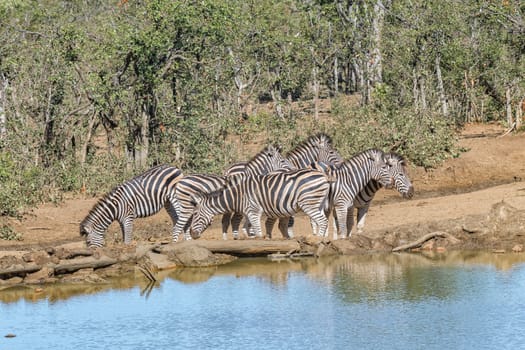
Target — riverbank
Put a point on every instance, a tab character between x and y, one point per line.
474	202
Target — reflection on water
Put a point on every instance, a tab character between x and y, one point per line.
466	300
355	277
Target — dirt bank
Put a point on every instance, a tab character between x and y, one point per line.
479	198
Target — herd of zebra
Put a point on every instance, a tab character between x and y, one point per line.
312	178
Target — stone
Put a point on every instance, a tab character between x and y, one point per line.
428	245
38	257
194	256
40	276
160	261
12	280
518	248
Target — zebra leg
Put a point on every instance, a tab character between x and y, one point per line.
187	235
172	212
341	213
236	223
269	226
350	221
334	223
318	217
225	224
284	227
126	226
248	228
182	224
255	220
361	218
291	222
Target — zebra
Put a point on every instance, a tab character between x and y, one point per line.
351	177
267	160
277	195
315	152
364	198
142	196
316	148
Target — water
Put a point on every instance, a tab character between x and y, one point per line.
458	301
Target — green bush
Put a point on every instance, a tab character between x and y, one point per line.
8	234
425	139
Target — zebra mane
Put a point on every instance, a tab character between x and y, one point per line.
269	148
398	157
99	205
316	141
366	154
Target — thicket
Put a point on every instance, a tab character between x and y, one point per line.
92	92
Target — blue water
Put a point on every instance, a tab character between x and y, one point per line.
354	303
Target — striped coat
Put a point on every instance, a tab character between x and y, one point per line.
142	196
276	195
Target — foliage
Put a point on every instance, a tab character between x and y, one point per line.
8	234
93	92
425	139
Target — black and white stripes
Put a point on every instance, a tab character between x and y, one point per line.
276	195
141	196
312	178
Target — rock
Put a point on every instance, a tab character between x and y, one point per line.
38	257
428	245
345	246
13	280
40	276
160	261
194	256
499	251
380	246
391	239
518	248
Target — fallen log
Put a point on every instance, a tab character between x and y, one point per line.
237	248
424	238
17	270
83	263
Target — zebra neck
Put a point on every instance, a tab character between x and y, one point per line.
359	174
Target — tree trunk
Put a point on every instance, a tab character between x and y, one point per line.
336	76
375	73
315	87
89	132
3	97
441	89
141	154
508	107
519	113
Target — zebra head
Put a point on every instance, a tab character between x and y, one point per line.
380	168
201	217
399	174
94	238
98	220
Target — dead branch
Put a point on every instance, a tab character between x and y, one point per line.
237	248
83	263
423	239
19	270
512	128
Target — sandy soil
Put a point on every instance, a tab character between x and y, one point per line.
460	192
